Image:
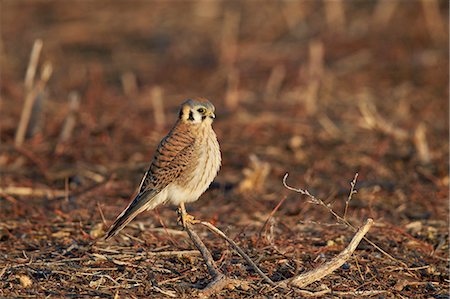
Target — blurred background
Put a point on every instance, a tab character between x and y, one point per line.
319	89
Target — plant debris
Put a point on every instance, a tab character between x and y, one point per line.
317	89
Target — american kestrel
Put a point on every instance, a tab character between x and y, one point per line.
185	163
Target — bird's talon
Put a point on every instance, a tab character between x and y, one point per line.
184	218
190	219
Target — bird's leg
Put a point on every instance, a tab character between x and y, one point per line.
184	218
187	221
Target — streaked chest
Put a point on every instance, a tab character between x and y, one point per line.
204	167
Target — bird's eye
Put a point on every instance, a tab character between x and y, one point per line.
201	110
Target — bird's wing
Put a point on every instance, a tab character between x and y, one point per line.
171	158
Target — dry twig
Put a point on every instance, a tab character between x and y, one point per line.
28	191
70	121
229	40
383	13
239	250
349	198
232	93
158	106
209	261
373	120
275	82
335	15
327	268
420	141
219	279
318	201
435	24
129	84
270	216
33	91
32	65
315	74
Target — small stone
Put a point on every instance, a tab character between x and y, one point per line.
296	142
25	281
96	231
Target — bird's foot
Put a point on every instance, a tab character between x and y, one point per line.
189	219
184	218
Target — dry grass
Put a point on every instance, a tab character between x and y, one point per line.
320	90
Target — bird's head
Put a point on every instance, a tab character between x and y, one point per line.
197	111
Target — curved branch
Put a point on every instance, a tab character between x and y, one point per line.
327	268
239	250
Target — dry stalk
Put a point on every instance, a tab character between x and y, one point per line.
274	83
350	195
315	74
129	84
232	93
384	10
207	9
311	96
420	141
172	253
34	192
373	120
32	64
30	99
99	207
158	106
270	217
229	41
293	13
335	15
36	121
316	57
435	23
329	126
71	118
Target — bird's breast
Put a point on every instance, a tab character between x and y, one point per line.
200	172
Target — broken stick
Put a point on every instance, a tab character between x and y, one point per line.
327	268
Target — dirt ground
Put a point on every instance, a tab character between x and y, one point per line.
321	90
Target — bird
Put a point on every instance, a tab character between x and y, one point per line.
185	163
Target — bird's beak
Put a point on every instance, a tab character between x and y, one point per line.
212	115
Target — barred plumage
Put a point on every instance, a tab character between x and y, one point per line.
185	163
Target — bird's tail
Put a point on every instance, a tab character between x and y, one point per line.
140	203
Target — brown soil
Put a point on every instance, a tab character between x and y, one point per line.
375	103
